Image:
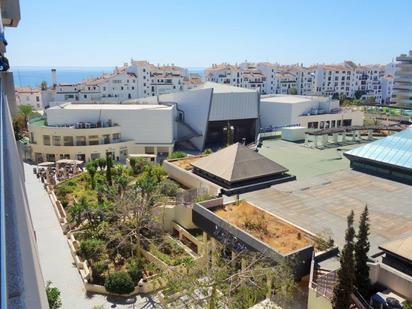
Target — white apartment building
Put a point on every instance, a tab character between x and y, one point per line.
29	96
138	79
346	79
402	88
245	75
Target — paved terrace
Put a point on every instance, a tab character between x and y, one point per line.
322	203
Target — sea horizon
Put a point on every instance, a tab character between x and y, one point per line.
32	76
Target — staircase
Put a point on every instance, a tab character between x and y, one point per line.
185	131
324	282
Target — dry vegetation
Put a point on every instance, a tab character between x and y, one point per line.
272	231
186	162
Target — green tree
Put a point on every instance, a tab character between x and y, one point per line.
79	211
292	91
91	170
26	111
223	284
92	249
345	275
109	165
53	296
101	163
362	246
43	85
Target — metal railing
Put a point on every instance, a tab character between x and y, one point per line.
3	261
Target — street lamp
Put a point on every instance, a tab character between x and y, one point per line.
229	130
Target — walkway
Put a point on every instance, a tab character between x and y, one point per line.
55	258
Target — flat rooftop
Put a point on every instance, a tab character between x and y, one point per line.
305	162
91	106
223	88
322	203
327	189
291	99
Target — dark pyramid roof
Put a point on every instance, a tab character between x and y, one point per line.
237	163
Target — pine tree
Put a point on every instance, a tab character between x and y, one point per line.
362	281
344	286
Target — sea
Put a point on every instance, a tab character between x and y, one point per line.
33	76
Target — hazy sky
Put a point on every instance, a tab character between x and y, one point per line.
195	33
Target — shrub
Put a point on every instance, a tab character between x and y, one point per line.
101	162
177	155
92	249
53	296
134	271
168	187
97	271
119	283
207	152
323	241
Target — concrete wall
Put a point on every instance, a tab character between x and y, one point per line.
196	105
25	283
239	240
189	179
275	114
391	278
232	105
356	116
153	124
317	301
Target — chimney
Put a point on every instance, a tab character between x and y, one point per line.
53	78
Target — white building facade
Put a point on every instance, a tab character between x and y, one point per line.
138	79
402	87
347	79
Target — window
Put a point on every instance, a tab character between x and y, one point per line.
85	96
68	140
37	99
93	140
50	157
94	156
56	141
46	140
116	137
81	140
106	139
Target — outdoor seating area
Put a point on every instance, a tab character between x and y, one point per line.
52	173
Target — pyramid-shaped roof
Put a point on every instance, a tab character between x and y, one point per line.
400	247
237	163
395	150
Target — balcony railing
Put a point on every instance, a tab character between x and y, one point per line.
3	262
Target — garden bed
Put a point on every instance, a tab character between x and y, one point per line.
281	236
169	251
185	163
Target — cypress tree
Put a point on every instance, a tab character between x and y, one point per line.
345	275
109	165
362	281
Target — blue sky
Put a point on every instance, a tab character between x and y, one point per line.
196	33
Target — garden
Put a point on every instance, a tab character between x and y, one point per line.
109	212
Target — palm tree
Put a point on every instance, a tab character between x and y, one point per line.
26	111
